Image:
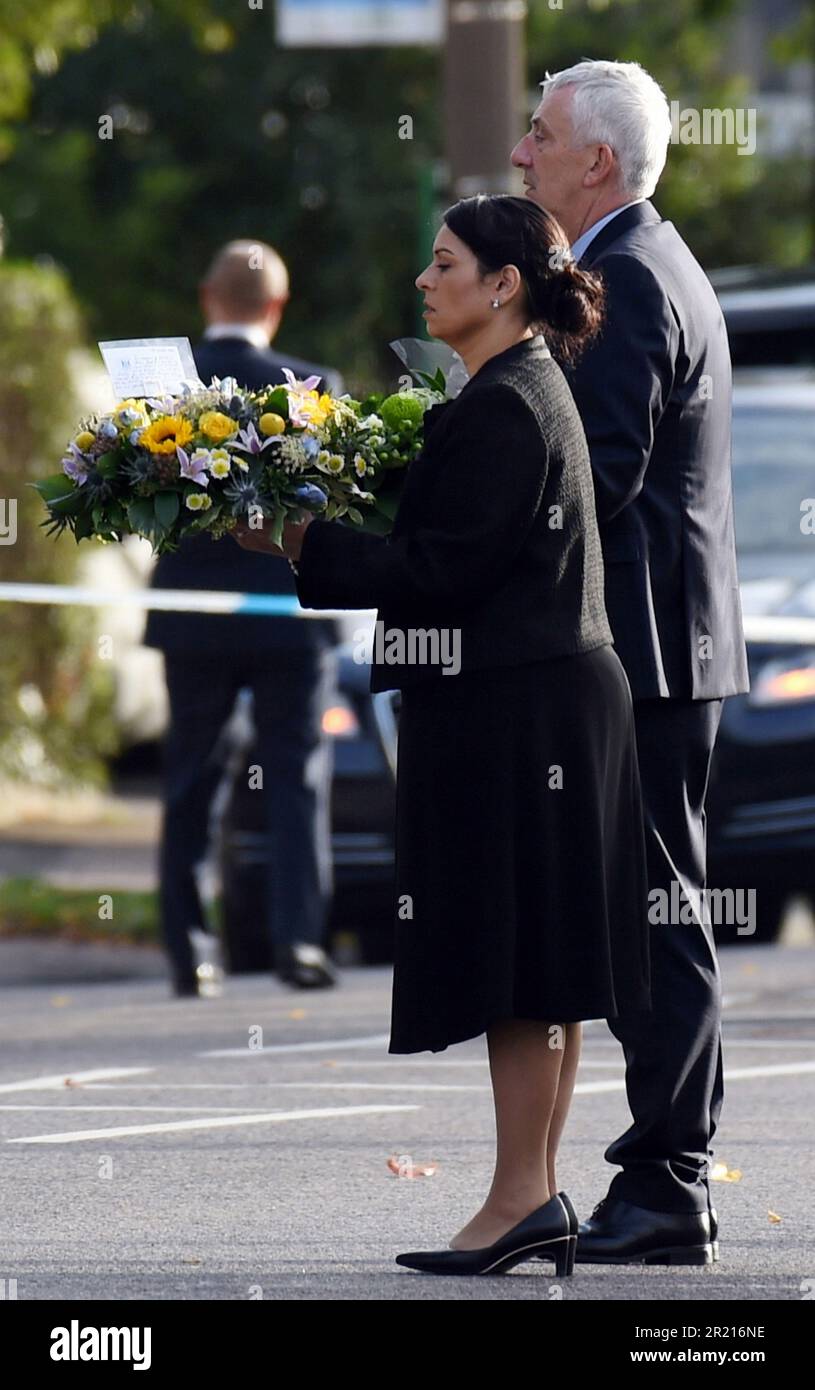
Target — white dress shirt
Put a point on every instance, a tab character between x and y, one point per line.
252	332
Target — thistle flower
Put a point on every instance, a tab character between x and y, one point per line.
244	493
311	495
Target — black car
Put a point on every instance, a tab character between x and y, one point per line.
770	315
761	802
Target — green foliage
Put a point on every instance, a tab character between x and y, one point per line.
32	907
55	721
219	134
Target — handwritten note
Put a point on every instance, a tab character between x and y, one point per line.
149	366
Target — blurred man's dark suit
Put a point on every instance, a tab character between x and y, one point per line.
290	667
654	394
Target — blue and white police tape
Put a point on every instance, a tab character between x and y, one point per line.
175	600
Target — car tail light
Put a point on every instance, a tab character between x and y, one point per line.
784	681
339	721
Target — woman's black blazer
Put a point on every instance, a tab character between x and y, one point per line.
495	534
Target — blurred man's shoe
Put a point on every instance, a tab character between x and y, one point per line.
208	970
185	986
305	966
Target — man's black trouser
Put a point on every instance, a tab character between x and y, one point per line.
290	691
673	1054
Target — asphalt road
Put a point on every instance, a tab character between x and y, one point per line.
148	1152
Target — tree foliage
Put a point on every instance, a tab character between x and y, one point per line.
54	696
217	133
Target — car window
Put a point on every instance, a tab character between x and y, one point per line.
773	472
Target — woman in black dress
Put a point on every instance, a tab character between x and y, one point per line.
521	882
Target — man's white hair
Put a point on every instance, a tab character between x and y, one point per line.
621	105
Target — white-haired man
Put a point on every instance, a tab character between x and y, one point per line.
654	394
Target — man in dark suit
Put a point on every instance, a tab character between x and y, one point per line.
288	663
654	394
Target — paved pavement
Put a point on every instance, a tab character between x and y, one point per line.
148	1151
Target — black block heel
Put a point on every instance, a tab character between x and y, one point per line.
565	1257
546	1234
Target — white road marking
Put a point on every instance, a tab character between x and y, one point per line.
321	1046
582	1088
157	1109
783	1069
58	1081
738	1074
274	1117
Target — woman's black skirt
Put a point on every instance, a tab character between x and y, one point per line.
521	871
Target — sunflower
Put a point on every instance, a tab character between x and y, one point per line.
166	434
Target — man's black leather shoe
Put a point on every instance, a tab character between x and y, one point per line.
714	1231
306	966
619	1233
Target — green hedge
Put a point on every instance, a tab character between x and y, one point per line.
32	907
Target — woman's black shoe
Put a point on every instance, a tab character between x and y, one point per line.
574	1219
545	1234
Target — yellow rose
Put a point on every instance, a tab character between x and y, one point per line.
272	424
217	426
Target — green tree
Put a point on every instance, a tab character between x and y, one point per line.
217	133
55	699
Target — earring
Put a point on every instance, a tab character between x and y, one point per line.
496	304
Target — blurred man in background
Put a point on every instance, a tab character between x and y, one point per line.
287	662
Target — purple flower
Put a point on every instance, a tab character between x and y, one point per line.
195	467
310	384
75	464
76	468
250	441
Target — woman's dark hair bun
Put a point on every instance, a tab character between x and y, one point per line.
563	302
570	302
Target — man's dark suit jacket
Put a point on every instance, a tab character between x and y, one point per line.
654	394
476	543
201	563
